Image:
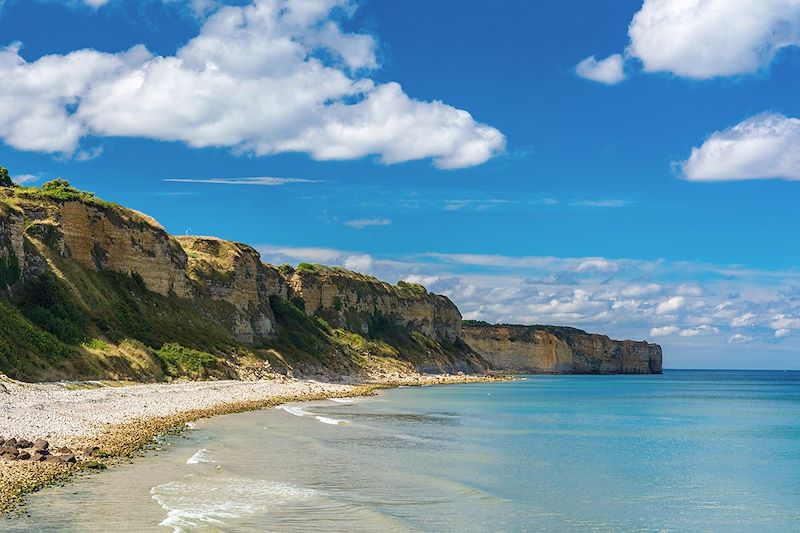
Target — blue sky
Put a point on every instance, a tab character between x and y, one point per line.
625	167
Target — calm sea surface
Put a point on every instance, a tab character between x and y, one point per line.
686	451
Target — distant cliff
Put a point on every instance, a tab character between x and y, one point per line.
559	350
90	289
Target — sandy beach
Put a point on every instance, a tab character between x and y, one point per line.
116	421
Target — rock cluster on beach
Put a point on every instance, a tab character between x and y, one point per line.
13	449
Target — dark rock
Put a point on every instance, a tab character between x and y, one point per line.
64	451
91	451
2	440
11	442
8	450
23	456
69	458
54	459
37	457
41	444
22	443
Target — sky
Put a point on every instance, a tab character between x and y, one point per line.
629	167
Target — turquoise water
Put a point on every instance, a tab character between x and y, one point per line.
686	451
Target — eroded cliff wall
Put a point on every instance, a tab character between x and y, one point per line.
560	350
86	270
356	301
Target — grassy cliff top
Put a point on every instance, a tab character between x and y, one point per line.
59	191
403	289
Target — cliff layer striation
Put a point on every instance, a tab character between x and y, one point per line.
559	350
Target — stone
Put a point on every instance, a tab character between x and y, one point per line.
23	456
2	440
64	450
11	442
40	444
91	451
38	457
53	459
22	443
8	450
69	458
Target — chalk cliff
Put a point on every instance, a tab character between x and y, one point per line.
559	350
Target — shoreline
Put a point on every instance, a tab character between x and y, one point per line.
78	420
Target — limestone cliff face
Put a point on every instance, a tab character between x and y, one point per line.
98	238
354	301
233	273
560	350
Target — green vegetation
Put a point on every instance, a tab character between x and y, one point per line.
411	290
9	269
337	303
5	179
181	360
308	268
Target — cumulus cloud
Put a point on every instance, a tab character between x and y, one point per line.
708	38
664	331
609	70
739	338
762	147
361	223
270	77
702	39
671	305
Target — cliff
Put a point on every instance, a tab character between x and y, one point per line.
559	350
90	289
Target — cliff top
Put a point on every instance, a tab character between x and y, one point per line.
59	191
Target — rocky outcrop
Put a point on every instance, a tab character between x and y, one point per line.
559	350
96	236
233	273
354	301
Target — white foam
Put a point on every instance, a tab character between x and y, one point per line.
293	410
343	400
331	421
202	456
202	502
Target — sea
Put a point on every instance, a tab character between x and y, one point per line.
687	450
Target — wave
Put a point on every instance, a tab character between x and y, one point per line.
331	421
343	400
293	410
210	502
202	456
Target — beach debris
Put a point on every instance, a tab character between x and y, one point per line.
41	444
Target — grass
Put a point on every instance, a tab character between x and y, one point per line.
181	360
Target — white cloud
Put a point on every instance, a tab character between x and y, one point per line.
671	305
24	179
253	80
708	38
664	331
702	329
263	180
361	223
739	338
609	70
359	263
780	333
762	147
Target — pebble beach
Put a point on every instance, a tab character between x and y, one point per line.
100	423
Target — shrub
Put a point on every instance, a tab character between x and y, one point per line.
5	179
186	359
